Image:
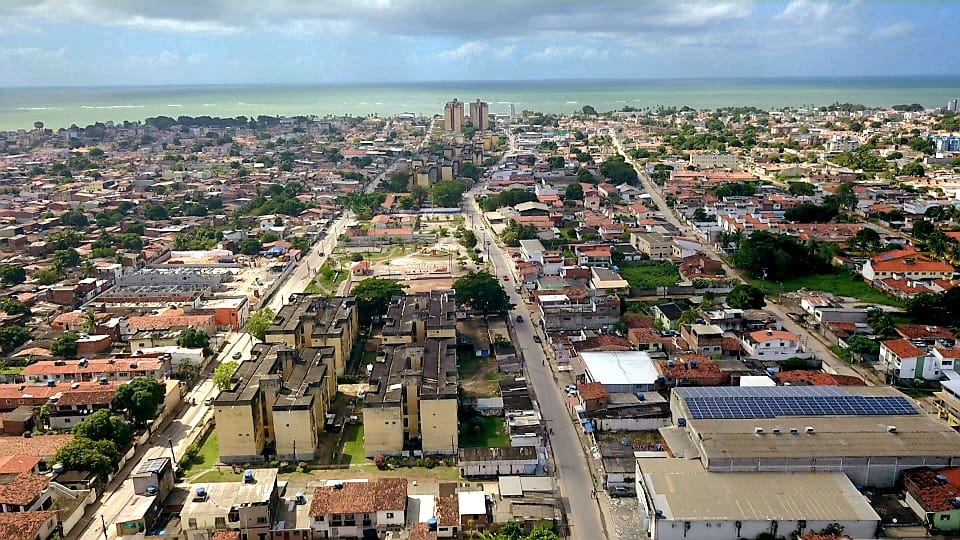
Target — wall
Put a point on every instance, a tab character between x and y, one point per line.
727	530
239	440
629	424
863	471
382	430
295	428
498	468
438	425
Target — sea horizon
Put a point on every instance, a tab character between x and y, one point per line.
62	106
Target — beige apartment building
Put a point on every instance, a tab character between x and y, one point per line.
312	320
276	405
453	115
411	403
480	115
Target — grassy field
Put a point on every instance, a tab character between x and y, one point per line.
328	278
209	454
841	284
352	452
649	276
489	432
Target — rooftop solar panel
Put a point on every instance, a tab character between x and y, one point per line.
772	402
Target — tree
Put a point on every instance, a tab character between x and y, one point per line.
194	338
223	375
584	176
96	456
398	182
881	322
618	171
574	192
514	232
66	258
12	337
588	110
689	316
249	246
258	323
555	162
373	296
65	346
46	276
746	297
482	292
778	256
913	169
13	307
447	193
922	229
468	239
105	425
810	213
700	215
74	218
12	275
866	240
471	171
155	212
141	397
801	189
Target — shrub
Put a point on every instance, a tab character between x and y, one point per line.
191	455
380	461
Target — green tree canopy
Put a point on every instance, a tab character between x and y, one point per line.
618	171
447	193
74	218
801	189
66	258
12	337
913	169
398	182
746	297
373	296
471	171
46	276
509	197
142	397
778	257
81	454
223	375
867	240
105	425
574	192
194	338
12	275
13	307
258	323
482	292
65	346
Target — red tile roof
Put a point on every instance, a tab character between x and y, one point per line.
920	331
38	445
902	348
21	489
18	464
706	371
761	336
448	511
592	390
818	378
605	342
23	525
936	497
360	497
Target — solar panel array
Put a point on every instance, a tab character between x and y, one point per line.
775	401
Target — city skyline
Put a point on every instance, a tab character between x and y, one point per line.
103	42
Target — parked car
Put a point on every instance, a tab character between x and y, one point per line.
621	491
506	277
237	355
537	339
208	401
519	318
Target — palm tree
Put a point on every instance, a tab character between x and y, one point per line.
89	322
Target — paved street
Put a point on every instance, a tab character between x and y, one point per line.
811	342
571	466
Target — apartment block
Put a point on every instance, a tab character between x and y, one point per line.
276	405
411	403
315	321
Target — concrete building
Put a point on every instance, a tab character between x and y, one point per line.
560	313
492	462
713	161
775	345
275	405
480	115
656	246
247	506
359	509
453	116
411	402
705	339
871	434
679	499
416	317
620	371
312	320
904	361
933	495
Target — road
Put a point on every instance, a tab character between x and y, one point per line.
570	463
177	432
811	342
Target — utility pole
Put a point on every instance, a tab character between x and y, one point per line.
103	525
173	455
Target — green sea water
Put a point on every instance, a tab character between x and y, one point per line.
61	107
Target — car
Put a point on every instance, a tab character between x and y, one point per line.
208	401
237	355
506	277
536	339
519	318
621	491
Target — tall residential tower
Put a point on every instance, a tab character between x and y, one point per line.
480	115
453	115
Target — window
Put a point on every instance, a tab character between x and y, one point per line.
389	515
944	517
220	522
192	523
319	518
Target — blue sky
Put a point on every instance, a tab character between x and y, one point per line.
129	42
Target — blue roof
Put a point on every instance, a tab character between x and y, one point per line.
729	402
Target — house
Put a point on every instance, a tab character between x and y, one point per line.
247	506
359	508
656	246
705	339
668	314
606	281
593	255
905	264
593	396
96	369
901	360
933	495
775	345
491	462
690	370
40	525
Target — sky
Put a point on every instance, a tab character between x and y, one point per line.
148	42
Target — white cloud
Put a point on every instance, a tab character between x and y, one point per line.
892	31
476	49
197	58
557	53
162	59
800	10
31	53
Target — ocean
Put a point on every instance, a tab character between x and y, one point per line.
61	107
